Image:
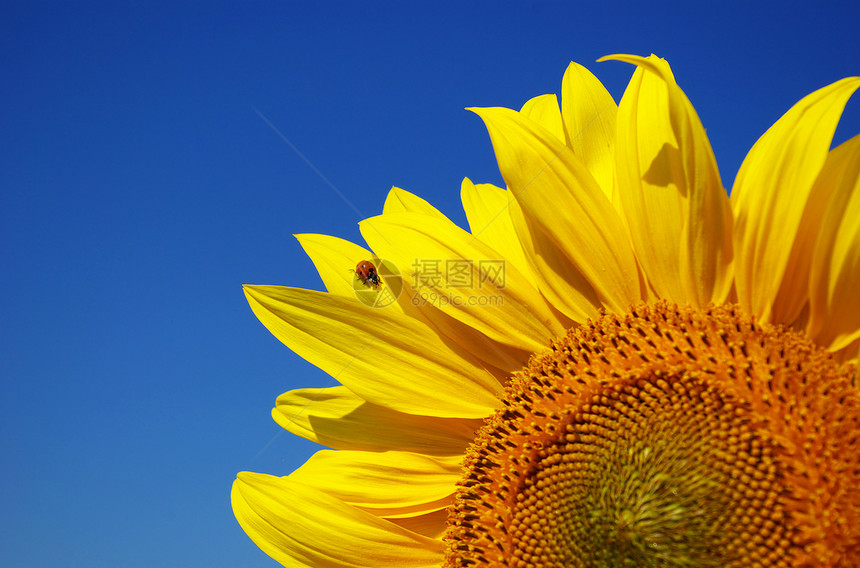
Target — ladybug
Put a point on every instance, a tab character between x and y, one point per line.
367	273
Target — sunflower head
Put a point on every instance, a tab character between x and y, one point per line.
664	376
666	437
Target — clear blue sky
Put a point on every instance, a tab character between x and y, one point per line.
141	188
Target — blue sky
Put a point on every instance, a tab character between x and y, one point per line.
143	182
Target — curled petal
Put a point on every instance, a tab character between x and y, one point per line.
669	187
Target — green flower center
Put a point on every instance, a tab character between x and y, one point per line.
654	482
667	437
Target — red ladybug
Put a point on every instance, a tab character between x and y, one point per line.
367	273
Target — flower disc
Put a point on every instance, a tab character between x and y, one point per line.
666	437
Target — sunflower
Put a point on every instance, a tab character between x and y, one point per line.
617	365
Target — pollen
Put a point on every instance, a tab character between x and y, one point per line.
667	436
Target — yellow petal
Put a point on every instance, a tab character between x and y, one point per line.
589	114
301	527
381	355
677	210
487	209
399	201
544	110
335	260
581	248
499	358
464	278
771	192
835	273
848	355
375	480
337	418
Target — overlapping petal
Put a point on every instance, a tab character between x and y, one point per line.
364	349
431	525
669	188
402	201
488	211
374	480
834	296
770	195
581	249
498	357
337	418
544	110
464	277
300	526
590	115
